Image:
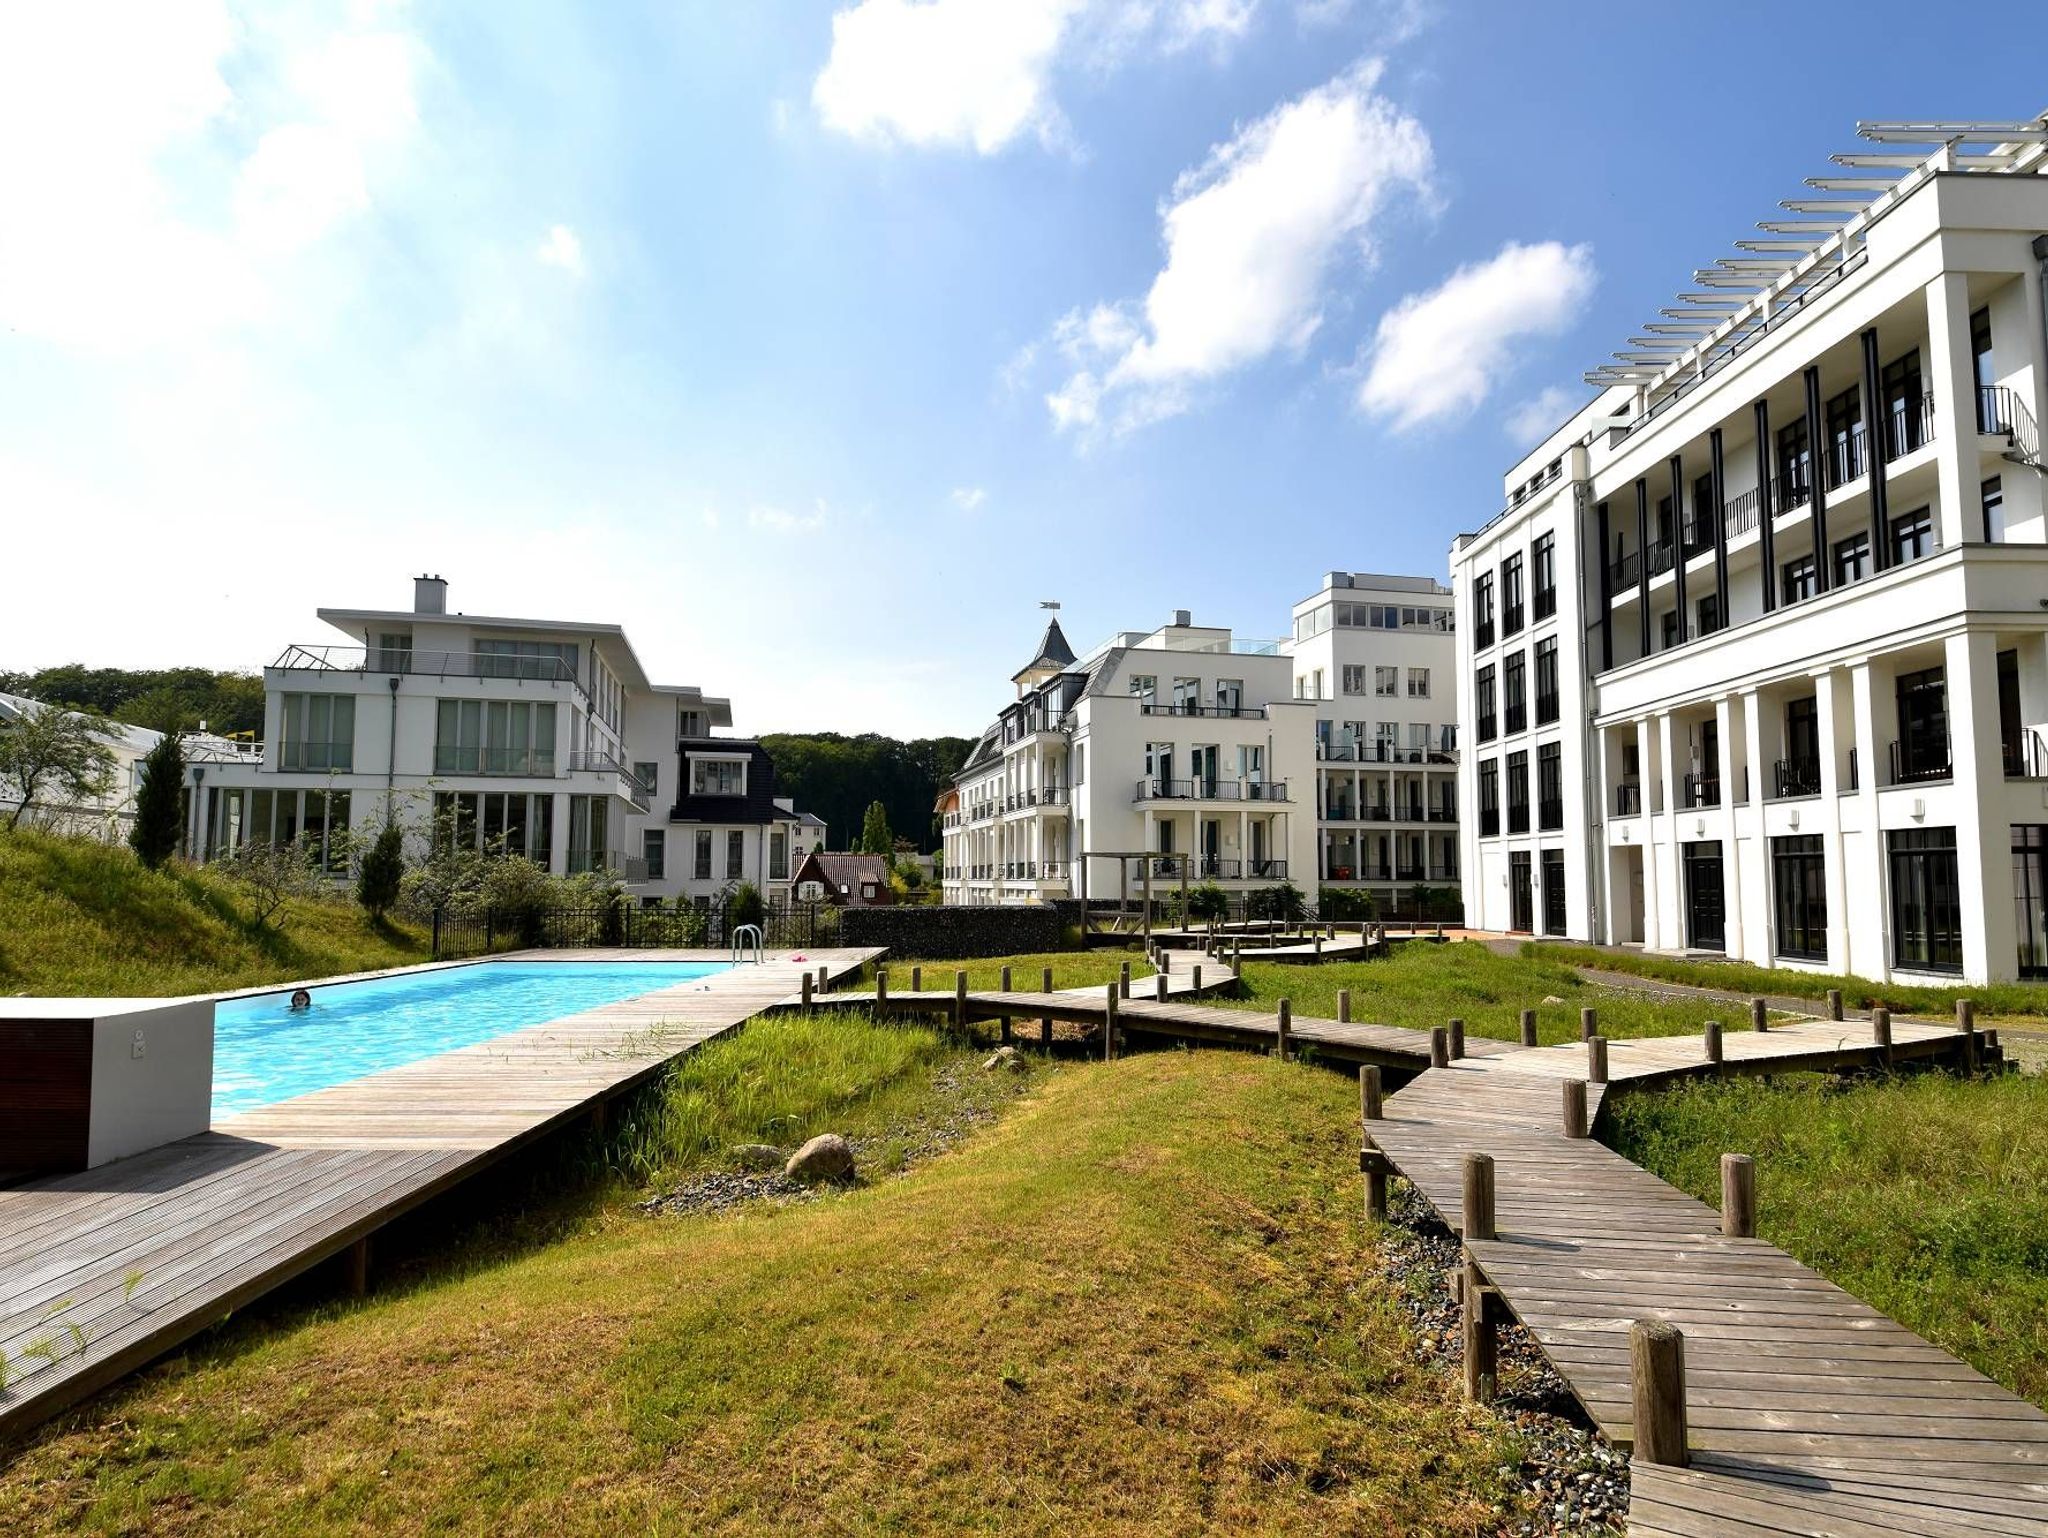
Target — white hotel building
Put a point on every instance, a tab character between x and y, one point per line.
542	738
1758	650
1380	655
1180	741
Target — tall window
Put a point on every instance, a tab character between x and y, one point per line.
1354	678
1845	436
700	864
1418	683
494	737
1799	890
1521	904
735	853
1795	466
1985	375
1518	792
1482	694
1482	610
1386	681
317	732
1922	752
1902	395
654	850
1511	595
1993	503
589	845
1852	559
526	659
1489	796
1796	579
1799	770
1550	786
1543	558
1927	903
1546	681
1515	690
778	856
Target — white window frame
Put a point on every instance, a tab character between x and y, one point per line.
698	761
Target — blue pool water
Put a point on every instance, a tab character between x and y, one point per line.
263	1053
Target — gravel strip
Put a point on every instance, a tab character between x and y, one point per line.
1579	1482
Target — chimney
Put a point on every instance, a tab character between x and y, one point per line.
1182	618
429	595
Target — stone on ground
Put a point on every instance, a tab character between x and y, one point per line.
1007	1057
828	1156
759	1156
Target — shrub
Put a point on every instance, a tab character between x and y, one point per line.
1345	903
1284	902
159	820
743	905
382	872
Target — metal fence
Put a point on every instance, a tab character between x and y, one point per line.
627	926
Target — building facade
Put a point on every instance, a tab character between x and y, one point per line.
1758	649
1181	742
541	738
1378	654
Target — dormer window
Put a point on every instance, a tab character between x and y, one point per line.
718	774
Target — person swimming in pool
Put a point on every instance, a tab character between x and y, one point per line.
301	1000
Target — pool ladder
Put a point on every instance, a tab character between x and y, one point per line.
741	940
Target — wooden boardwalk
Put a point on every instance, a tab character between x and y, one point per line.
105	1270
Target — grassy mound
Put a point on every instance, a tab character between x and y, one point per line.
1144	1300
1925	1196
83	918
1422	985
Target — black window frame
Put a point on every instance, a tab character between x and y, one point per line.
1514	692
1796	580
1989	495
1549	787
1482	609
1512	615
1521	895
1983	372
1551	863
1925	878
1799	897
1543	575
1923	747
1795	466
1518	791
1913	536
1547	706
1851	558
1489	797
1484	719
1847	454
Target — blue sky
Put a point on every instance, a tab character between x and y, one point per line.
818	343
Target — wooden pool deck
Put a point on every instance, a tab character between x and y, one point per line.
102	1271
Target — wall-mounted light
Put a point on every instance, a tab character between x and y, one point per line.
1795	817
1919	808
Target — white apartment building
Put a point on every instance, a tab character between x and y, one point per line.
1762	633
1379	655
1180	741
110	814
542	738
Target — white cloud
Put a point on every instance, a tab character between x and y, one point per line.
943	73
1534	419
1440	353
979	74
562	249
969	498
1252	237
780	520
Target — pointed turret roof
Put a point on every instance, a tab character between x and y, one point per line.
1053	651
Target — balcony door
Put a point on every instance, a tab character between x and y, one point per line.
1705	898
1159	767
1202	769
2030	895
1251	764
1521	897
1923	725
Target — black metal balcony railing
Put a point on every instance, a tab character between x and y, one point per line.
1482	633
1917	761
1547	709
1518	817
1550	814
533	762
1408	871
2022	755
1443	873
1489	822
1517	718
1488	728
1190	708
1443	814
1209	790
1628	799
1510	618
1545	601
1701	790
1795	777
1372	812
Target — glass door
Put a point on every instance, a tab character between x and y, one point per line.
1521	917
1705	898
2030	896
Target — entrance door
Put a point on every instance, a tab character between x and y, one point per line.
1705	898
2030	896
1521	899
1553	892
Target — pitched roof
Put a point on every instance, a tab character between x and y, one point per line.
1052	652
847	870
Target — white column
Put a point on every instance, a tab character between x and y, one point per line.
1983	835
1725	727
1951	377
1864	879
1749	824
1646	768
1834	735
1670	932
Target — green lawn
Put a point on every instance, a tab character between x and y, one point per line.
2007	1001
1423	984
1143	1300
1926	1196
81	918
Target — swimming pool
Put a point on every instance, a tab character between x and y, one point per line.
264	1053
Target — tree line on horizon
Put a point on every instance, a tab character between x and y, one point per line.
162	699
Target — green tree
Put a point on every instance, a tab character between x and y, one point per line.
382	872
49	755
159	809
874	831
743	905
275	874
836	776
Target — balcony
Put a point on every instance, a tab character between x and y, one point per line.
1628	799
1209	790
1920	762
1792	777
2001	412
365	660
1372	813
1443	814
1408	871
1443	873
1700	790
1510	619
1488	727
2022	755
1189	708
534	763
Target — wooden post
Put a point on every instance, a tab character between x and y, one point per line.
1109	1027
1596	1060
1476	1205
1439	1047
1344	1005
960	999
1738	1196
1045	1021
1195	979
881	985
1003	1021
1656	1360
1574	1107
809	983
1881	1033
1370	1106
1589	1023
917	979
1711	1037
1834	1003
1482	1341
358	1265
1159	986
1457	1038
1966	1022
1123	980
1373	1161
1319	945
1528	1027
1282	1021
1759	1015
